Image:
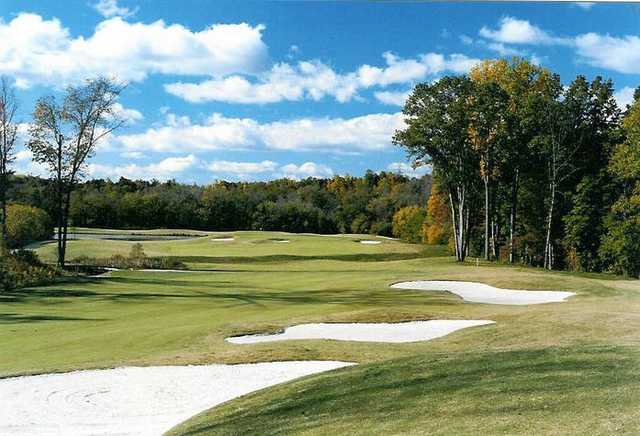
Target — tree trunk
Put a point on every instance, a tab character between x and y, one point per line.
454	225
65	220
59	201
512	216
487	220
548	261
4	239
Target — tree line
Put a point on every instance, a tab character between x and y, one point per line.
530	171
342	204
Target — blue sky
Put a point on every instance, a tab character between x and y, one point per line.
255	90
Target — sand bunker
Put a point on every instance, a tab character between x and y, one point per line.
133	400
223	239
370	242
481	293
365	332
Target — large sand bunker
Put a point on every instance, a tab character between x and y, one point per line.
223	239
366	332
481	293
133	400
368	242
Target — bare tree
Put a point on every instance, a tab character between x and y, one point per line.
64	136
8	135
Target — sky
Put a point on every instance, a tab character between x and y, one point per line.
258	90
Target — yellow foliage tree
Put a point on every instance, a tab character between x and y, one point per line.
437	226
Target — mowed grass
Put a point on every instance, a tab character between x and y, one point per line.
552	368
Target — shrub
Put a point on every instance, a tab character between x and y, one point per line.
408	222
26	224
24	268
137	259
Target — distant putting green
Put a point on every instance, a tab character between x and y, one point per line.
551	368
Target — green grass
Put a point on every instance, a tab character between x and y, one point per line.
581	357
550	391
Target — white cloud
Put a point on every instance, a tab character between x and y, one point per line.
110	8
393	98
515	31
407	170
132	154
127	114
339	135
36	50
315	80
24	155
504	50
621	54
242	170
624	96
165	169
618	54
307	169
585	5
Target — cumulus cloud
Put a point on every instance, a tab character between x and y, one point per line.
407	170
127	114
307	169
242	170
315	80
110	8
514	31
624	96
40	51
618	54
165	169
392	98
339	135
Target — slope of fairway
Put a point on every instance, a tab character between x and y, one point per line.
257	285
575	390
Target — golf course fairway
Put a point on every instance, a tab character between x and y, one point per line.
558	368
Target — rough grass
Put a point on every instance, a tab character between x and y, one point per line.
567	367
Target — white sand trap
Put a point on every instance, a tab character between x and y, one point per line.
223	239
370	242
282	241
365	332
133	400
481	293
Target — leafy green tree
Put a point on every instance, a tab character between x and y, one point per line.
620	248
488	134
526	85
438	123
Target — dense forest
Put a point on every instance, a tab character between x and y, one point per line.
337	205
529	170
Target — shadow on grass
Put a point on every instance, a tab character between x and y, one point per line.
221	291
15	318
275	258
